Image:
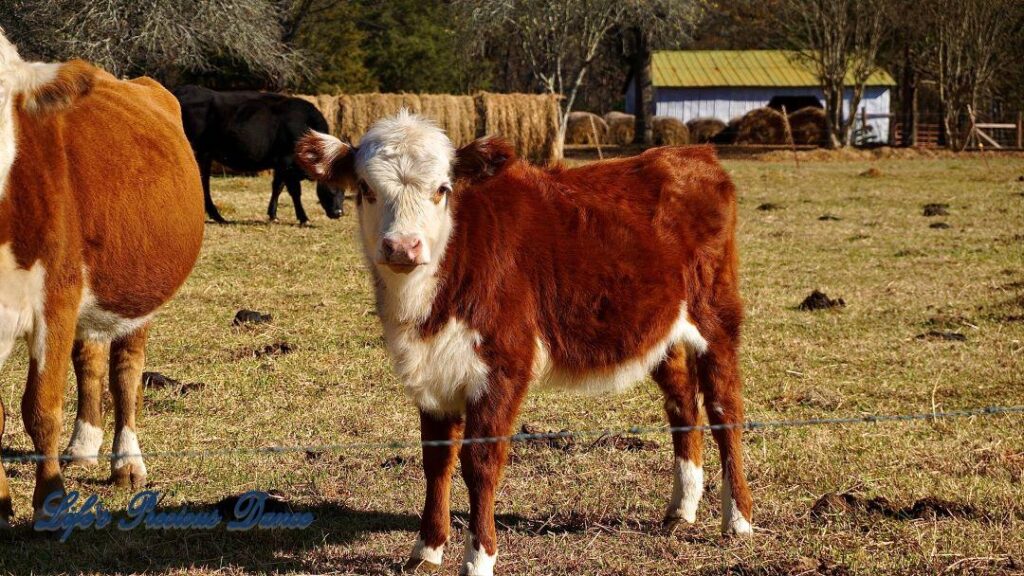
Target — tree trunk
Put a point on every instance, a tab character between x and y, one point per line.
908	101
643	92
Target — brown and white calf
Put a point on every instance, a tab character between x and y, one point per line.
491	273
101	220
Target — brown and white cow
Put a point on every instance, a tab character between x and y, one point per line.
101	220
491	273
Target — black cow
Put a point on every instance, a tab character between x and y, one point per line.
252	131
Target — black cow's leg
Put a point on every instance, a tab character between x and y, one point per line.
295	191
204	174
275	193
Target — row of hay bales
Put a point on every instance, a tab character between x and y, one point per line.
761	126
528	121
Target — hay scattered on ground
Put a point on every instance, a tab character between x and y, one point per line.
762	126
703	130
621	128
809	127
670	131
586	128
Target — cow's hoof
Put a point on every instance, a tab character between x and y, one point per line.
128	476
738	527
420	566
672	523
273	220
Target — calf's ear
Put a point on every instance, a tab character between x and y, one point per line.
482	158
326	159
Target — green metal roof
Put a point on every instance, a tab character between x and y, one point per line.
707	68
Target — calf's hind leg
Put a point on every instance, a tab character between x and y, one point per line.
127	358
677	378
90	359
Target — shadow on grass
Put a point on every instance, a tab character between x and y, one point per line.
140	550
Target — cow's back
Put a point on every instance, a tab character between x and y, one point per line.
136	184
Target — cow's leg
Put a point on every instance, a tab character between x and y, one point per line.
6	510
718	372
205	164
50	344
275	193
677	378
438	463
295	191
492	414
90	361
127	357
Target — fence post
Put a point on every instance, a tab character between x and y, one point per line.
1020	129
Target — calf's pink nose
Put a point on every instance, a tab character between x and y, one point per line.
404	250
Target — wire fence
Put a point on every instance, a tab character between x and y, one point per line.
752	425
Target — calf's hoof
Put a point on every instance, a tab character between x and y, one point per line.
671	523
420	566
129	476
738	527
84	448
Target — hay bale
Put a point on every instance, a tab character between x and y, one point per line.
731	132
670	131
586	128
762	126
528	121
621	128
809	127
456	115
704	130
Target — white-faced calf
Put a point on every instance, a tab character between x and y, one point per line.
492	274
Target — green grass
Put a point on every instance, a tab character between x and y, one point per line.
597	510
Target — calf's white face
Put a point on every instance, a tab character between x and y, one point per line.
403	174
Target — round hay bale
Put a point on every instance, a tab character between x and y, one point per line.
704	130
528	121
762	126
809	127
670	131
621	128
729	135
585	128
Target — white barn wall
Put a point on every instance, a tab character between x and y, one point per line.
726	103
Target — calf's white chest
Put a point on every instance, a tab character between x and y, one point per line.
440	372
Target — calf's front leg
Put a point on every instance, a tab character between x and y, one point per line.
438	463
493	414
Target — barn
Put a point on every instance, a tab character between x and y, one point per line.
726	84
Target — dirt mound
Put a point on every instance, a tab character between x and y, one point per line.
871	173
818	300
833	504
935	209
251	318
768	207
276	349
158	381
942	336
939	225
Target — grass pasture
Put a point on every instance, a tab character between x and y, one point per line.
596	508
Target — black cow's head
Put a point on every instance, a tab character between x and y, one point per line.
332	199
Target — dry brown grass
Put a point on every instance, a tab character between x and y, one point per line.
596	510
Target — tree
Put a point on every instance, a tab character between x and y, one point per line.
560	39
328	35
841	40
969	42
160	38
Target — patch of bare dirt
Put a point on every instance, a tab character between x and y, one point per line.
818	300
624	442
158	381
550	439
768	207
930	508
935	209
942	336
939	226
829	218
802	566
871	173
276	349
251	318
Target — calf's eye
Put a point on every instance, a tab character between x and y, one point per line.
441	192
